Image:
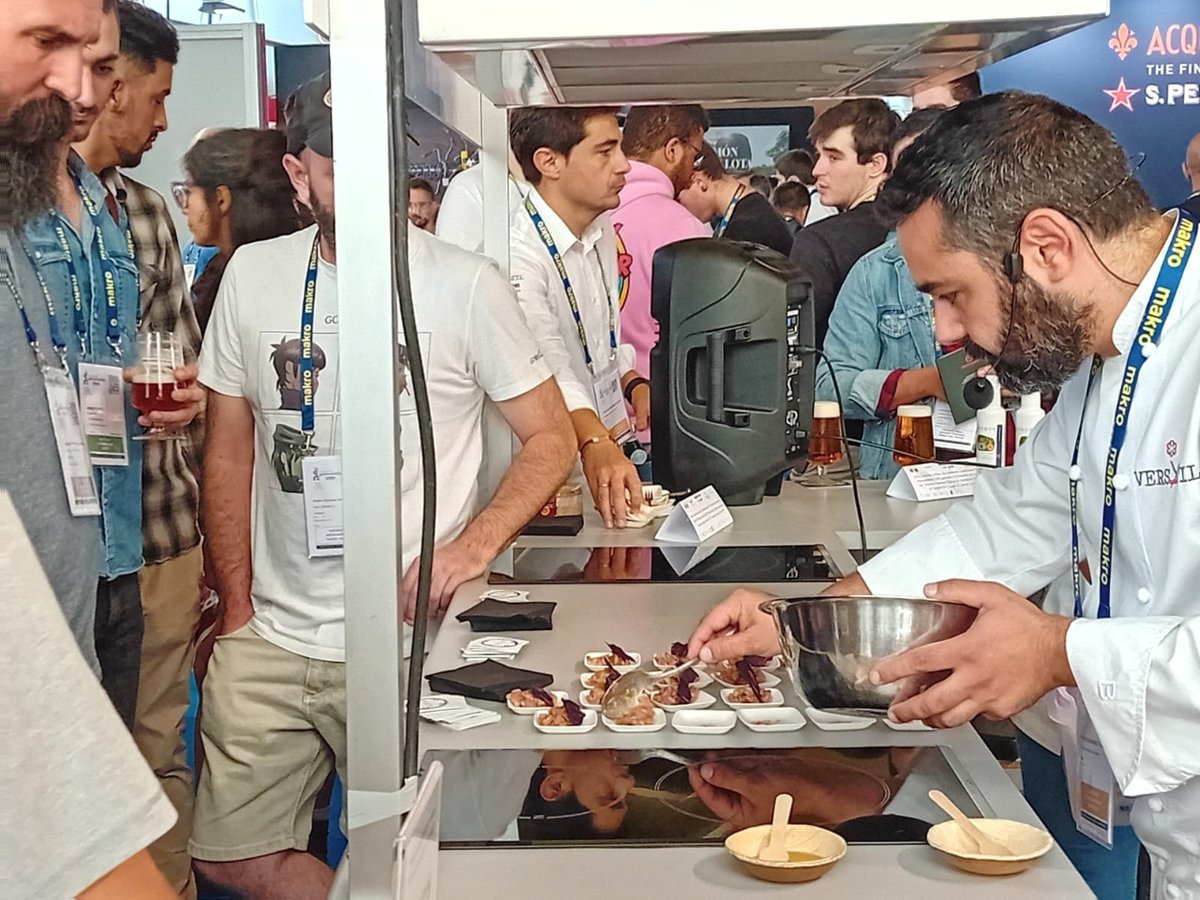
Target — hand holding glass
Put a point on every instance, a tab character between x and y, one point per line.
159	354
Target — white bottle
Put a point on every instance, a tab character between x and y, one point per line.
992	422
1027	416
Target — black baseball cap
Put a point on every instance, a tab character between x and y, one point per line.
309	117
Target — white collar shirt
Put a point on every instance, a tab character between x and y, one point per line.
1138	672
591	263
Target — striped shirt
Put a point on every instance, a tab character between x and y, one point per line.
171	469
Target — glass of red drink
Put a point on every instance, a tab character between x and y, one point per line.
159	354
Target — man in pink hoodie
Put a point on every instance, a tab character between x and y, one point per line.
662	143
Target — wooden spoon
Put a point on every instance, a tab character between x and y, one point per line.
987	845
774	848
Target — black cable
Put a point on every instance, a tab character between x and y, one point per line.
402	289
858	510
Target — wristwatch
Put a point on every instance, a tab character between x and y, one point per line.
634	382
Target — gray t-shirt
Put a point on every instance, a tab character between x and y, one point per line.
79	798
67	546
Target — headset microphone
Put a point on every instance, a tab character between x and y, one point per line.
977	393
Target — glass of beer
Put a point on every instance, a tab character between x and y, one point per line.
825	449
159	354
914	435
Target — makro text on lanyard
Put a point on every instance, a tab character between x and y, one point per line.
307	312
1166	286
723	224
547	239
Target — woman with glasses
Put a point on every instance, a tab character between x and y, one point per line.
236	192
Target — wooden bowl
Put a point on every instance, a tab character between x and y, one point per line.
1027	842
824	847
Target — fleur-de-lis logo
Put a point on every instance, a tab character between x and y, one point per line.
1172	449
1123	41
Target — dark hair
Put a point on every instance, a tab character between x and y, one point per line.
249	162
872	125
966	87
146	36
649	128
791	195
761	183
420	184
796	164
560	128
989	162
917	123
709	163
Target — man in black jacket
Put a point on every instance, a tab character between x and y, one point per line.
854	143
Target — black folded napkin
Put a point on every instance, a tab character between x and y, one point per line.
496	615
488	680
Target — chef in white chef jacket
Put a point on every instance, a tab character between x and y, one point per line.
1021	218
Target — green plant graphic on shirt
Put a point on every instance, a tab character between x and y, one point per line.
287	457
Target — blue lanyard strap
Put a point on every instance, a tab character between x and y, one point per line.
56	340
108	274
719	231
544	233
1162	297
308	310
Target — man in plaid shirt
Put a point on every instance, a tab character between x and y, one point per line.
170	578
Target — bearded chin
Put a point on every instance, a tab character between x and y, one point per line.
29	143
1051	340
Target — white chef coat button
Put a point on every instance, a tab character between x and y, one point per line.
1120	481
1160	863
1148	349
1156	805
1075	473
1144	595
1174	891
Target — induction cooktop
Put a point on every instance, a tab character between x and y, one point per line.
615	565
522	798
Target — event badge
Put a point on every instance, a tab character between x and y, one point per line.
102	405
610	403
189	273
323	505
1096	802
63	404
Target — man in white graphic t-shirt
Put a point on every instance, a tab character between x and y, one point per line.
274	697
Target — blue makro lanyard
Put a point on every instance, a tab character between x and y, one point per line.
1166	286
725	219
56	340
108	272
307	388
544	234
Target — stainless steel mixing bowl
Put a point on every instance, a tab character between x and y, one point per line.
831	644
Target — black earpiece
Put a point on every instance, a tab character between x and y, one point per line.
977	393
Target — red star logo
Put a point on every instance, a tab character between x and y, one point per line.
1121	96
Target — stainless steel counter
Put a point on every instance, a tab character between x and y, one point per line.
647	618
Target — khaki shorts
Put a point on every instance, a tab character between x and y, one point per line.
273	725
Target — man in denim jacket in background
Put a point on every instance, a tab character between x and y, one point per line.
880	342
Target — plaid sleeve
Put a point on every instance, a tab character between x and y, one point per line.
171	469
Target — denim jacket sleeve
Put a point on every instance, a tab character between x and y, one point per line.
853	344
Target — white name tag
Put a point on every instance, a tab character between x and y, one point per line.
947	434
72	446
323	505
102	404
610	403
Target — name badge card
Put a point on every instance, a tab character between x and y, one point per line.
610	403
933	481
72	446
949	434
102	403
696	518
323	505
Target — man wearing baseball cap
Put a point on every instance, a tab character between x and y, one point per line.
274	697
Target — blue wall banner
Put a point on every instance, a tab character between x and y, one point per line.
1136	72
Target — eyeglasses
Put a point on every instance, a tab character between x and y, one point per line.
181	191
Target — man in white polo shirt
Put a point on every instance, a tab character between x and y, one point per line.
274	697
568	276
